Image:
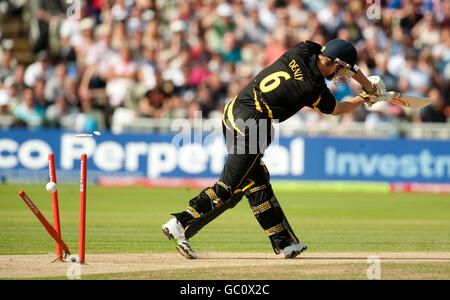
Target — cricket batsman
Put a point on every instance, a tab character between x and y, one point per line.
294	81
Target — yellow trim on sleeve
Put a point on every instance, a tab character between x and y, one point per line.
231	117
317	103
223	117
269	111
258	106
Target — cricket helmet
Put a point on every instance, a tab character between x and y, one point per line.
344	53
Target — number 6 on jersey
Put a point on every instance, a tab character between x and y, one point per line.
272	81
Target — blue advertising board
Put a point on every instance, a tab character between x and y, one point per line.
23	157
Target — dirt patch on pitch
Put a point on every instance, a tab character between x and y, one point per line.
39	266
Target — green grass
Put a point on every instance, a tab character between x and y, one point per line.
128	220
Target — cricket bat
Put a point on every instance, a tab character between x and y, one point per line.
408	100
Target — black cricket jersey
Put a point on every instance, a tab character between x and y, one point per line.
289	84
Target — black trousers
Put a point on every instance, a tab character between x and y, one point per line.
247	133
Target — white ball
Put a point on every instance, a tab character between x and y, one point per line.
51	187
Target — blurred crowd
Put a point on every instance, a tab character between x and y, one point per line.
100	64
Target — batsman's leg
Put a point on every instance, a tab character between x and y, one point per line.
245	147
270	216
223	195
210	203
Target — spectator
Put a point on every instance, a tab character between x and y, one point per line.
219	21
331	19
350	28
123	72
341	90
28	113
100	48
177	53
99	60
13	96
6	65
151	37
426	33
298	14
84	42
55	82
381	69
18	80
434	112
218	90
134	58
119	36
441	51
445	14
91	117
70	92
67	53
61	113
397	59
119	10
46	15
205	99
415	79
253	30
39	93
199	50
411	16
199	74
267	15
378	117
153	104
38	69
276	45
5	101
147	73
230	51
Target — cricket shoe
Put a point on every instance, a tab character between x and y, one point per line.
174	231
293	250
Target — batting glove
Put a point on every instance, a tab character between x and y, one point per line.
378	86
371	100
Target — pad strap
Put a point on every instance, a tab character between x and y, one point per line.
215	200
226	187
261	208
275	229
193	212
257	189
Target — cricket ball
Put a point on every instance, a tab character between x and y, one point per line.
51	187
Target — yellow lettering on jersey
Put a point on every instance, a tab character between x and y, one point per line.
298	75
272	81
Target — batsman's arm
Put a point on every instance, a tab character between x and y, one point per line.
364	82
346	106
